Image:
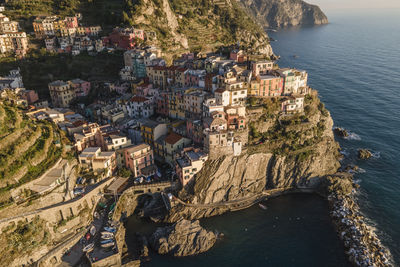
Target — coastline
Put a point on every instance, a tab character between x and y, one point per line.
362	246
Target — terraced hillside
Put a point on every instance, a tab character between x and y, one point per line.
27	149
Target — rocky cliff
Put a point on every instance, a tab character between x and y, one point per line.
184	238
197	25
299	152
283	13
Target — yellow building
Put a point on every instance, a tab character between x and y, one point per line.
176	104
151	131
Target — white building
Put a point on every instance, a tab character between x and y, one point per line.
222	97
139	107
293	104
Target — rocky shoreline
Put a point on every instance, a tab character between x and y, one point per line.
363	247
183	238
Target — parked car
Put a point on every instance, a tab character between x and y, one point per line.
139	180
79	191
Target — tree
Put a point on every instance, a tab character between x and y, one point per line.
124	172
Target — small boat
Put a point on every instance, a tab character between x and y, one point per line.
92	230
110	229
108	245
262	206
88	247
106	233
295	56
107	236
106	241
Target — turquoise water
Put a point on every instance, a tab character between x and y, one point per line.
354	62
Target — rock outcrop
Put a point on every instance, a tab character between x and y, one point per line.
283	13
341	132
184	238
364	153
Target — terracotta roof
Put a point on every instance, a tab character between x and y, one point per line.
173	138
159	68
173	67
138	99
78	123
181	69
220	90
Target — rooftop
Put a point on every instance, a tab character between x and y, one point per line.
173	138
117	184
91	150
149	123
138	99
137	148
58	83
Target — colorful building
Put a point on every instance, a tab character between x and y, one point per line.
140	160
189	164
266	86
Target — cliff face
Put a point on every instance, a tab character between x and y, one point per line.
283	13
198	25
263	167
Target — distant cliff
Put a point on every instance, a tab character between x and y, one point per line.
283	13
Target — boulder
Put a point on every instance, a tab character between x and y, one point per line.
184	238
341	132
364	153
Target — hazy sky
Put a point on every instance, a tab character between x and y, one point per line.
335	4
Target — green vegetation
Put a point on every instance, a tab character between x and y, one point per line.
124	172
40	68
205	25
27	150
22	239
106	13
293	135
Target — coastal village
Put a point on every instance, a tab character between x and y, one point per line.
178	114
158	126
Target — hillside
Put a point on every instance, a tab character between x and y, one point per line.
27	149
283	13
198	25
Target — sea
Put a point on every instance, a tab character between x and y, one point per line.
354	63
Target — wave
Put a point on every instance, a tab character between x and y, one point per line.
376	155
353	136
361	170
345	153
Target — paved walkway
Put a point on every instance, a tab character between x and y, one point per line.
246	201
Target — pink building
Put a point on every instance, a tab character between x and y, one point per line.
237	55
81	87
162	104
140	160
235	121
124	38
194	129
144	89
71	22
30	96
